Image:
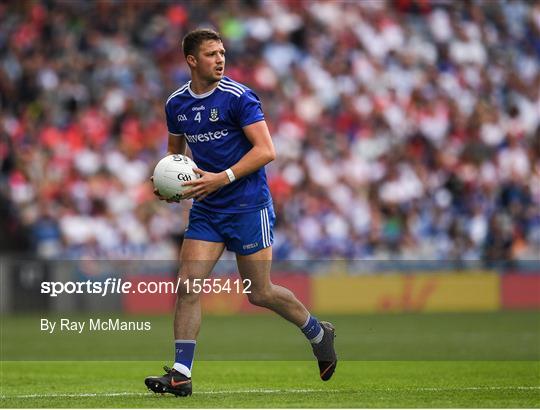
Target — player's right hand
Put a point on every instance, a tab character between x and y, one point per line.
160	197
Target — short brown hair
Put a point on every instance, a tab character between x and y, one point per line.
193	40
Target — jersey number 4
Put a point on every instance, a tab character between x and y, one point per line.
198	117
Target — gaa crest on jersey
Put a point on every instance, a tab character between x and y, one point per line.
214	114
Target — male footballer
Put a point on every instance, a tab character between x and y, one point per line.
222	122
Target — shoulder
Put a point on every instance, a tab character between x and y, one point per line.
178	92
233	87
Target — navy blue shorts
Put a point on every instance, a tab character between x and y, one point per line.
242	233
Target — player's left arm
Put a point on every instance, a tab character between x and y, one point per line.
257	157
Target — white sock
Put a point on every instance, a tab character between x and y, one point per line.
179	367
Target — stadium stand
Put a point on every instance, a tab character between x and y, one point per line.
404	129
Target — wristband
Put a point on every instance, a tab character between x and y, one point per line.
230	175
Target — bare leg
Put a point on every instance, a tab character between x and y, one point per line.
256	268
198	259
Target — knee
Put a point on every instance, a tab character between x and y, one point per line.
260	298
185	288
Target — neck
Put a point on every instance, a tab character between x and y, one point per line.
199	86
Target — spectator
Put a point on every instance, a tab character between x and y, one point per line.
403	129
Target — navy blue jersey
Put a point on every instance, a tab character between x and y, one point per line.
212	125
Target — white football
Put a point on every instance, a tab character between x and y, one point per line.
171	173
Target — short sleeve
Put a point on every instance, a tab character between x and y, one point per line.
172	123
249	109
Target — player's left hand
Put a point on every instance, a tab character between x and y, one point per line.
207	183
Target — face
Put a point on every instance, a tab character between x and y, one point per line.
209	64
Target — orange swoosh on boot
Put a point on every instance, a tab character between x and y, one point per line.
174	384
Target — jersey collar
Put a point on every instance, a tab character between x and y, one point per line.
206	94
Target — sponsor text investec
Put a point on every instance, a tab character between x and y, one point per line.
207	136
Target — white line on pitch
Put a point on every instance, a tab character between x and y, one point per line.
474	388
116	394
136	394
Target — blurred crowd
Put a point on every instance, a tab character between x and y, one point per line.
404	129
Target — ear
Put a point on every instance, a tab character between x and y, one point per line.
191	60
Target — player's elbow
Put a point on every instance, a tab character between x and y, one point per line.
270	154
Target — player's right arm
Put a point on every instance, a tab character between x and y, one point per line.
176	145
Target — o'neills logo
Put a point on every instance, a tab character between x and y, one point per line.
207	136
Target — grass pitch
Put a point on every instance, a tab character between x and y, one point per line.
489	360
276	384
